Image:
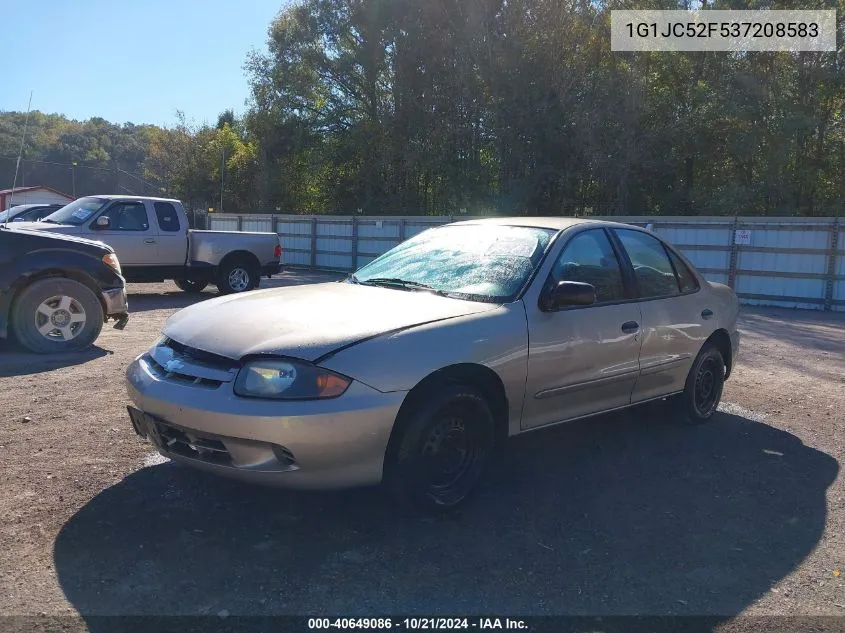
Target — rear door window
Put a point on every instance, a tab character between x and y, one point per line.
168	219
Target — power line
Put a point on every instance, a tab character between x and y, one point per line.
77	166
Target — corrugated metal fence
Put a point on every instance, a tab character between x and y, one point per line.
790	262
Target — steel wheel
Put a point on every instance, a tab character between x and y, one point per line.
60	318
703	388
450	454
440	452
705	395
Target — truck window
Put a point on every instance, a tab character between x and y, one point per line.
168	219
128	216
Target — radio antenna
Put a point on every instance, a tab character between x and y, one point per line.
20	153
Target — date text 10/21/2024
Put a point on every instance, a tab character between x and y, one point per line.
418	623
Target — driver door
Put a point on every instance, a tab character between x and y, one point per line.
583	359
130	233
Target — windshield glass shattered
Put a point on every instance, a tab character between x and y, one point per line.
480	262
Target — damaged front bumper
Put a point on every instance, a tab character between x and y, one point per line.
117	306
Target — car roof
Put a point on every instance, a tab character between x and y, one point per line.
553	223
24	207
124	197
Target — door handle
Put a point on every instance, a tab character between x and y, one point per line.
630	326
149	240
706	313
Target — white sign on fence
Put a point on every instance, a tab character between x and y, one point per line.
743	237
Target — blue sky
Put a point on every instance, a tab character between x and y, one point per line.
133	61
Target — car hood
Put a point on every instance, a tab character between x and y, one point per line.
308	321
47	227
25	228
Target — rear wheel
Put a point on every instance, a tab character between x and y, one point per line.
190	285
57	315
703	389
441	450
237	275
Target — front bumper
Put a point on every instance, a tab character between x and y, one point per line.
317	444
117	305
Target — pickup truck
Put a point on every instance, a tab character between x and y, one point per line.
57	291
153	241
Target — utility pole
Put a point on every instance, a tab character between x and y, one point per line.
222	172
20	154
73	178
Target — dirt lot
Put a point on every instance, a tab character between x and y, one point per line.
622	514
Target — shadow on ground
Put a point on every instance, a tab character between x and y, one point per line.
616	515
15	360
140	301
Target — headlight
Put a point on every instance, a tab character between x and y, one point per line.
288	380
111	261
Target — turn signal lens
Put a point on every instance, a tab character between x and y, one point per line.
111	261
331	385
277	252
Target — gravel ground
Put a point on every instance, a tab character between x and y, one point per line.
621	514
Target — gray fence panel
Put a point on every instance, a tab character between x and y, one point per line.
378	229
780	261
222	224
839	296
334	262
719	260
796	293
260	224
797	263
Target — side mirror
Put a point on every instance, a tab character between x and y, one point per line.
103	222
571	293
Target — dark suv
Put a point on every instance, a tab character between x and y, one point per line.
57	291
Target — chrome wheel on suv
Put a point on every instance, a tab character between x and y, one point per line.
60	318
57	315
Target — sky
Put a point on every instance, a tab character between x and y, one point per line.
125	60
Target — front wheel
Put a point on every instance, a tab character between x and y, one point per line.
236	275
441	450
57	315
190	286
703	389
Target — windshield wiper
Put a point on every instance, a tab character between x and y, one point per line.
395	281
47	220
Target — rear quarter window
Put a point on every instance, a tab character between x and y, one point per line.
168	219
686	280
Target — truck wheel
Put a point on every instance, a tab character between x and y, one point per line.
236	275
57	315
190	285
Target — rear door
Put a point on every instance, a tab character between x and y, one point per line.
131	234
674	322
584	359
172	235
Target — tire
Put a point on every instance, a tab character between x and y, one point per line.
190	286
456	420
703	389
70	307
237	275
